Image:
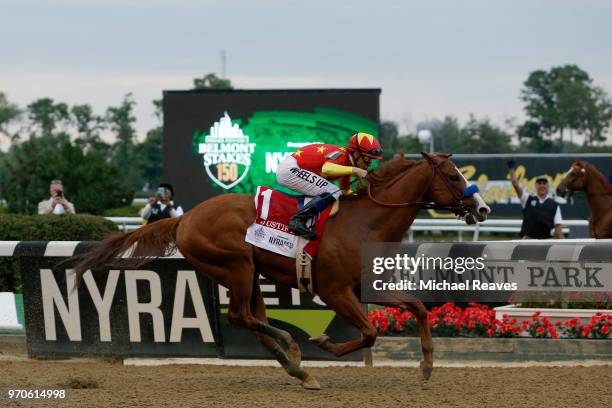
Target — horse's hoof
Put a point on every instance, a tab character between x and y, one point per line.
309	383
426	370
319	340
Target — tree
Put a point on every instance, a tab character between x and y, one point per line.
88	125
388	138
212	81
46	115
158	109
597	118
564	99
120	120
91	183
480	136
477	136
9	112
408	144
447	135
149	152
571	89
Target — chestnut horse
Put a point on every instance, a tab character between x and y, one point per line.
583	176
212	238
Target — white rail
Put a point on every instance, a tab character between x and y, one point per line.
490	225
126	223
419	224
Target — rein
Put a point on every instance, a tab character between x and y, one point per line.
460	208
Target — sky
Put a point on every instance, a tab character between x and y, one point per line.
431	58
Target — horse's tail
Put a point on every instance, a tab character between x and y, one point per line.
132	249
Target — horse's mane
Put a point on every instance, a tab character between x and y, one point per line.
596	173
384	173
389	169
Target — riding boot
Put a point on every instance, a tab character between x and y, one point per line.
297	224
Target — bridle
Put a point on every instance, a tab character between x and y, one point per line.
460	209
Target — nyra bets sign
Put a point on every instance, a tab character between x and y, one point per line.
226	152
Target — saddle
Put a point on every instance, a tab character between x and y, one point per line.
270	230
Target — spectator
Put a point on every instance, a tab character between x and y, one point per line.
161	205
57	203
541	213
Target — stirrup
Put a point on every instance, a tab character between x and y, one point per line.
298	226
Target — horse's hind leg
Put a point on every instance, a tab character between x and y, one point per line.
275	349
347	305
240	286
258	306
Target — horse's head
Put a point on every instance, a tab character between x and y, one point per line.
450	188
575	178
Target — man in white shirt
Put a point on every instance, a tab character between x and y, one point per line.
541	213
57	203
161	205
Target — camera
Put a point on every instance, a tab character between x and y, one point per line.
161	191
58	193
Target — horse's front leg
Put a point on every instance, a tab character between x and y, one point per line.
346	304
418	309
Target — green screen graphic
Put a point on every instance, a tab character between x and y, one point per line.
239	154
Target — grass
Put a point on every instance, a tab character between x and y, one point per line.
127	211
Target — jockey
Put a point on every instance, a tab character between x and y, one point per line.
310	169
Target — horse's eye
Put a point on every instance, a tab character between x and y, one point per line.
454	177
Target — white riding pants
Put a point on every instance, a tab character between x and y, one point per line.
290	175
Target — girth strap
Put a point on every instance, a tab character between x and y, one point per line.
303	268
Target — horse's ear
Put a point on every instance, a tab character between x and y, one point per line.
427	156
401	155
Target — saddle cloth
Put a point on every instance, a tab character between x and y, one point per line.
270	230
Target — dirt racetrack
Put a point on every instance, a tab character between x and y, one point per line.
110	384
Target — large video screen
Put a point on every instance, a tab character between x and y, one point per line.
232	141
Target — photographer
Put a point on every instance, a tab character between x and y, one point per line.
541	213
161	205
57	203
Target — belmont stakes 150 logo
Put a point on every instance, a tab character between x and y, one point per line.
227	153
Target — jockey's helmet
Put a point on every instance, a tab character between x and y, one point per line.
365	144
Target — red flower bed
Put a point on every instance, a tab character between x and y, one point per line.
478	320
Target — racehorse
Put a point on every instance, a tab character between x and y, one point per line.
212	238
583	176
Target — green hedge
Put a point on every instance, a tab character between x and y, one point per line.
78	227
